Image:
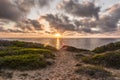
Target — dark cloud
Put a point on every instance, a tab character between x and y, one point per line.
85	25
18	9
2	29
8	10
108	21
84	9
36	24
14	30
29	25
59	22
42	3
63	23
91	22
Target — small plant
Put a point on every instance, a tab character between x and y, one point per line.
22	44
108	59
73	49
20	51
93	71
23	62
79	56
108	47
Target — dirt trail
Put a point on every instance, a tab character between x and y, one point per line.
63	69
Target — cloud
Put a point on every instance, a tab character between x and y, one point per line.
29	25
63	23
59	22
84	9
18	9
8	10
2	29
88	19
36	24
42	3
85	25
107	22
110	18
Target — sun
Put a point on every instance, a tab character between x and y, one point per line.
57	35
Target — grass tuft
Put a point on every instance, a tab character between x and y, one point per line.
108	59
93	71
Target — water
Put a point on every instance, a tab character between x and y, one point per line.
85	43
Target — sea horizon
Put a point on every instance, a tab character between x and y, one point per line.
84	43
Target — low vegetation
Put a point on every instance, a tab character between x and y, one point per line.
108	59
93	72
108	47
23	62
19	51
23	56
4	43
73	49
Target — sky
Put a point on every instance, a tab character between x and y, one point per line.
71	18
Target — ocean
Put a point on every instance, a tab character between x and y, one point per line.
84	43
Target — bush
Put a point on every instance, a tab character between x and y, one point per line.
79	56
108	47
25	45
19	51
108	59
23	62
93	71
73	49
25	55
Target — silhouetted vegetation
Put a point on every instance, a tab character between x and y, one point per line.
108	59
73	49
93	72
4	43
20	51
24	55
23	62
108	47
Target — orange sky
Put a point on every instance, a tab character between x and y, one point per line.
40	35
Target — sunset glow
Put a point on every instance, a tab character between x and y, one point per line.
58	35
45	25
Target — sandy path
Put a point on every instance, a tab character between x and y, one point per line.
63	69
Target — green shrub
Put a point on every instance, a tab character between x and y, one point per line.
25	45
19	51
93	71
108	47
73	49
79	56
24	55
23	62
108	59
86	59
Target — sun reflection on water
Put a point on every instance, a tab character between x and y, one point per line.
58	43
58	36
